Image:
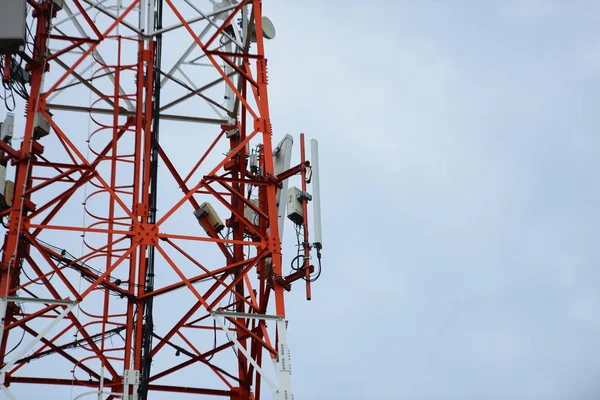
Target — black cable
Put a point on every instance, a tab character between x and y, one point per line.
298	261
33	281
296	266
8	94
299	256
226	237
31	39
15	82
312	279
148	326
20	340
214	340
17	345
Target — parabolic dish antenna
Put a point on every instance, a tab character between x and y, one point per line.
268	28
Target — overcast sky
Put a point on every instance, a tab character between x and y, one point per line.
459	162
459	144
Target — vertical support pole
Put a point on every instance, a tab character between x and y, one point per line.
136	385
14	248
3	306
142	17
316	184
263	124
125	386
150	193
131	377
284	368
229	95
239	172
283	156
150	15
305	243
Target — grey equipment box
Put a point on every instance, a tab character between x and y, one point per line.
12	24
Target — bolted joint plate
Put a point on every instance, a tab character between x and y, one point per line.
141	209
260	124
131	377
146	234
261	65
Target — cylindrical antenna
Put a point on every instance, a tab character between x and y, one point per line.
314	155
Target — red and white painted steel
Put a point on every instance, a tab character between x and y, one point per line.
107	279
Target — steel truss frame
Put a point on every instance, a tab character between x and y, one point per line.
132	237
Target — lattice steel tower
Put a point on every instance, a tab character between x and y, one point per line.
136	264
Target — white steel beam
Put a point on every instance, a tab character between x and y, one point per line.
192	20
69	306
221	322
111	15
282	363
71	16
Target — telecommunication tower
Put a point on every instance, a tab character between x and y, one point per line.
144	202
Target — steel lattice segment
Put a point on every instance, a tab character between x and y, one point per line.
113	217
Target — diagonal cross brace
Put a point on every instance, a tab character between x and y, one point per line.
3	304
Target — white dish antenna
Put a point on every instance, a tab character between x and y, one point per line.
268	30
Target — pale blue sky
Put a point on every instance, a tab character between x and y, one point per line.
460	147
460	153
